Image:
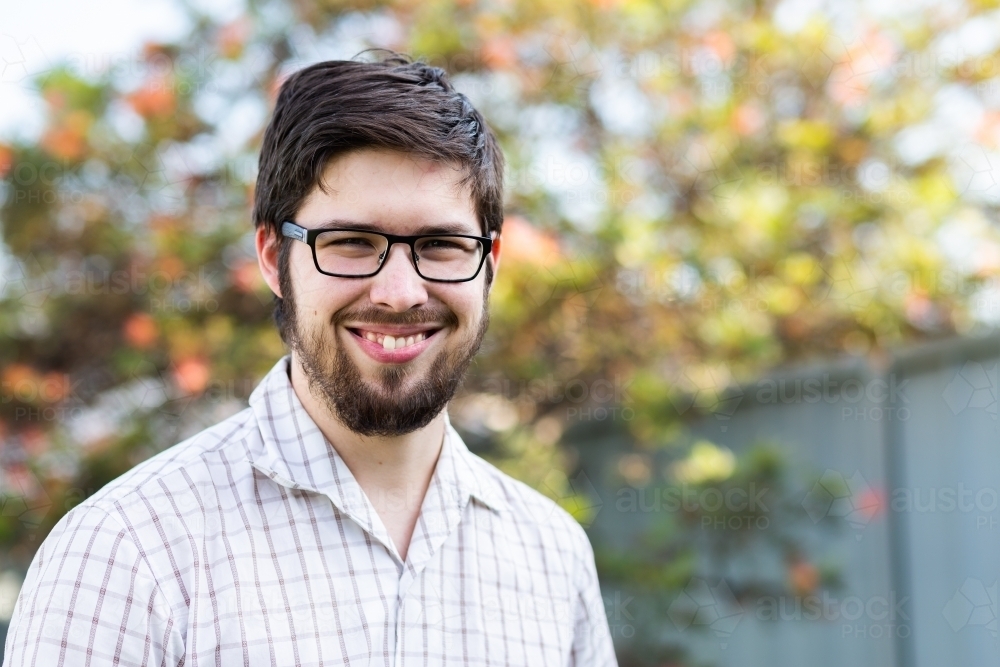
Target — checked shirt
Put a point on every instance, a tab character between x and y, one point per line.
252	543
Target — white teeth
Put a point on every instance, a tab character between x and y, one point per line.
394	342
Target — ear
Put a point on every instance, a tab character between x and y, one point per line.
267	256
494	258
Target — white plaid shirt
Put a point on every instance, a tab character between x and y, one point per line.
252	543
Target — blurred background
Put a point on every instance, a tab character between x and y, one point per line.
745	328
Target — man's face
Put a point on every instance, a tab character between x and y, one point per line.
372	390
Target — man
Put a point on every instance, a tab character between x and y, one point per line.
339	519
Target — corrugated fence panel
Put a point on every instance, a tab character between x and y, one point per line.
833	434
948	505
838	435
922	437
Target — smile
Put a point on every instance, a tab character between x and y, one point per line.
388	348
393	342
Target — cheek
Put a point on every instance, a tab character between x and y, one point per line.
310	292
320	297
468	305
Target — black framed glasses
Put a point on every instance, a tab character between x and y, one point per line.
360	253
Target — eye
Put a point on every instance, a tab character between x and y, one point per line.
441	243
346	242
351	241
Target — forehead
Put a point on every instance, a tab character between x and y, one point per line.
396	191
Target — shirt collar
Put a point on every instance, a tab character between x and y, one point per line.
296	454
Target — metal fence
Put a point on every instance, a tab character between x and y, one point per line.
919	435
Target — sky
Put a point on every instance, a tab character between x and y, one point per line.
35	35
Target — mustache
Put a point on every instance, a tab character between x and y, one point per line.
373	315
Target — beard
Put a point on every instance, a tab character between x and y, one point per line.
394	403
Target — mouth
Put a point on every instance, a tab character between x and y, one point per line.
394	339
396	345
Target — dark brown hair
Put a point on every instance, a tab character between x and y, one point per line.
334	107
337	106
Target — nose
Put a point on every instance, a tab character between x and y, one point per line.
397	285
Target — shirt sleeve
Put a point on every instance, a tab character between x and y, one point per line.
592	645
90	598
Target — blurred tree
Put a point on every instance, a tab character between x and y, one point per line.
698	192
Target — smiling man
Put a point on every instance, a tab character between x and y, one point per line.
339	519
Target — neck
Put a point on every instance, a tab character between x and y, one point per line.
392	469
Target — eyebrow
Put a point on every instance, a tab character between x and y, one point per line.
440	228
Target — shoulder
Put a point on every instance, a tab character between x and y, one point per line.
165	497
182	468
533	511
149	516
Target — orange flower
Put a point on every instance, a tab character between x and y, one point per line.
160	222
522	242
275	87
20	381
721	44
245	277
988	131
171	265
499	53
141	330
748	119
155	99
22	481
192	375
55	97
851	77
6	160
803	577
871	503
35	441
232	37
67	139
55	387
64	143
